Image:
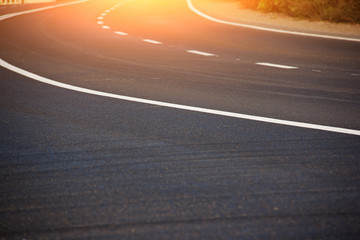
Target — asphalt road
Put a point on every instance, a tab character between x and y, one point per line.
81	166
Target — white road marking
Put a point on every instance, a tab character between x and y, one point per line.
105	27
100	18
177	106
355	74
192	8
276	65
121	33
100	22
319	71
6	16
201	53
158	103
107	11
152	41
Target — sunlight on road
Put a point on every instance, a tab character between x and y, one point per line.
154	19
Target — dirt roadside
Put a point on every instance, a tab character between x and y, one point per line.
231	10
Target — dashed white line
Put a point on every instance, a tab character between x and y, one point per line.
100	18
121	33
318	71
201	53
355	74
276	65
165	104
100	22
152	41
103	14
105	27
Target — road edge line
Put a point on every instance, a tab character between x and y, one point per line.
10	15
177	106
198	12
159	103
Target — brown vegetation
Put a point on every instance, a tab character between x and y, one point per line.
328	10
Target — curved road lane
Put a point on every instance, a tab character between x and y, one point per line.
75	165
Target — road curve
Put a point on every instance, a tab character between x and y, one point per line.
76	165
269	29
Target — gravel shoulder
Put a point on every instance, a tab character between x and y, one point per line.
231	10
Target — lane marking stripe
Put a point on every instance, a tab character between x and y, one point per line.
6	16
198	12
200	53
152	41
276	65
158	103
121	33
177	106
105	27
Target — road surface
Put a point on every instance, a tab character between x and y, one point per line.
165	125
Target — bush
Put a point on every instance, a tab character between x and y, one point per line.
329	10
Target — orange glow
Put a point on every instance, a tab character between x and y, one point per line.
157	19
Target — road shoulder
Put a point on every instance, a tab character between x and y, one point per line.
230	10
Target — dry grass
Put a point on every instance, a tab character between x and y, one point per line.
329	10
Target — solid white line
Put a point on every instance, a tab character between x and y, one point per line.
158	103
192	8
6	16
121	33
152	41
276	65
200	53
177	106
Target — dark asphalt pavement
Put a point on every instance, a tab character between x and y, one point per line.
79	166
